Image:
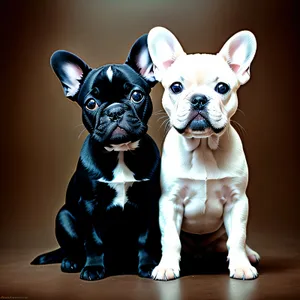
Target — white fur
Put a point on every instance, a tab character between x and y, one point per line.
122	180
121	196
109	74
123	147
204	175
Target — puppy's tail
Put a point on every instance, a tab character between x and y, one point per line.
52	257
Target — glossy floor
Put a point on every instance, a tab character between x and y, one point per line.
279	279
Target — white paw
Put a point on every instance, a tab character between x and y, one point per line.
163	272
242	271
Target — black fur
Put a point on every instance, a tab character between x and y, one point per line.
97	238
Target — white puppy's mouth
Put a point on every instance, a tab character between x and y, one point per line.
198	121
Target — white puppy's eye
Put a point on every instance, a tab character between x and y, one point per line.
137	96
176	87
91	104
222	88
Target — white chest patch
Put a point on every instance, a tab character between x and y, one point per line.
122	180
110	74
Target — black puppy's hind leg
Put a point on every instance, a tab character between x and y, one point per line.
68	237
52	257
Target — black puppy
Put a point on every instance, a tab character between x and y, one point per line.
109	223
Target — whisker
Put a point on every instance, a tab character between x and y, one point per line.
79	125
159	112
241	112
165	120
163	117
80	134
239	127
163	123
167	126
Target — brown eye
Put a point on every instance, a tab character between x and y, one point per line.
91	104
137	96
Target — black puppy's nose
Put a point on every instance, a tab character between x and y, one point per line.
115	111
199	101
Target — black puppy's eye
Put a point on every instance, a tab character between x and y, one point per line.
222	88
91	104
137	96
176	87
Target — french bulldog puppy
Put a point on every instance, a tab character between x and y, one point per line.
109	222
204	172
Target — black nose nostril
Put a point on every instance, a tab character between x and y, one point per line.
199	101
115	113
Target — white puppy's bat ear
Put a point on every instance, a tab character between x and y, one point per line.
164	48
239	52
139	59
70	70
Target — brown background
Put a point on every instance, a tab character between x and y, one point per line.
40	128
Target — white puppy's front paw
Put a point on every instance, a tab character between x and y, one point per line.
165	272
243	271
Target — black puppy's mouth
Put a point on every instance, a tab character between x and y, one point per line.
118	131
115	134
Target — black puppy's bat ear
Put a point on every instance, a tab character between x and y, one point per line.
70	70
139	59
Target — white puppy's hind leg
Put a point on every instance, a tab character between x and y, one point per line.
170	220
253	256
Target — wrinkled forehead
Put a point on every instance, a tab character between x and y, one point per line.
111	75
199	69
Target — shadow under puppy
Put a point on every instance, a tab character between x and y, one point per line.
109	222
204	173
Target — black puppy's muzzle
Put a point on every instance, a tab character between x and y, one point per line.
118	123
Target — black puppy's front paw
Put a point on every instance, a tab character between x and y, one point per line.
70	265
92	273
146	270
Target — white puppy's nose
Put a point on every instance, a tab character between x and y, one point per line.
199	101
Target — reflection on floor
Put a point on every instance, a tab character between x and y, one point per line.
279	279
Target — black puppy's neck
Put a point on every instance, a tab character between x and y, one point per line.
97	161
100	163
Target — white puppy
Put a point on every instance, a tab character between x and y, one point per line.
204	172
